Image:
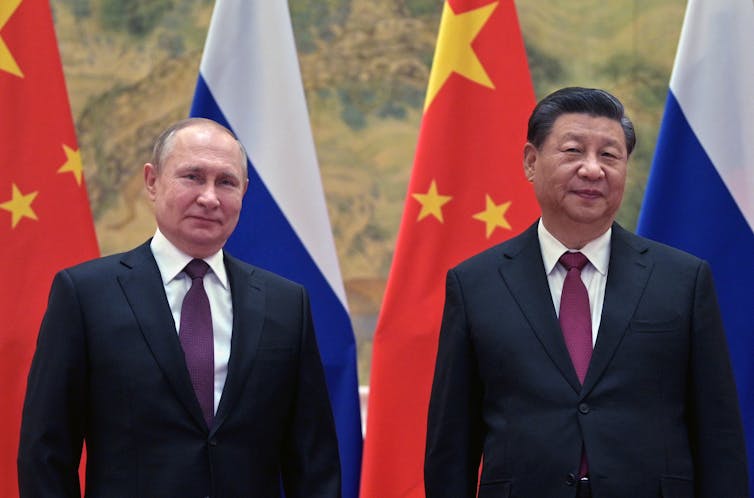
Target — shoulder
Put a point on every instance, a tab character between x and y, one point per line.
259	276
659	252
492	257
106	266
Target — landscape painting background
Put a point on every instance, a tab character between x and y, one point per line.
131	67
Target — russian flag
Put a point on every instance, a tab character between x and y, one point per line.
700	192
249	80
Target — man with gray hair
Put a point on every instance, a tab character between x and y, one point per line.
187	372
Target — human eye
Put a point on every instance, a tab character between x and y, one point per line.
187	173
611	154
194	178
571	145
228	181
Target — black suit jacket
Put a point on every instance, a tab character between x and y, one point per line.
657	414
109	369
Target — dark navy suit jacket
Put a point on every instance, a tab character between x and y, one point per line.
109	369
658	412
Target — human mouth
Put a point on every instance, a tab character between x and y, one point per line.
588	193
203	219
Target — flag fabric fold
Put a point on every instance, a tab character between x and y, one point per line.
249	80
700	192
45	218
467	192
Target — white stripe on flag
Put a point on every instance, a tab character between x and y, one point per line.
713	81
255	64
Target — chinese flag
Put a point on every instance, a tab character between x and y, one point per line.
467	192
45	220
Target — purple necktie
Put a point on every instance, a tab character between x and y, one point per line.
575	317
195	335
576	322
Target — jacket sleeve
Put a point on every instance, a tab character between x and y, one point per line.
716	432
454	425
52	426
311	465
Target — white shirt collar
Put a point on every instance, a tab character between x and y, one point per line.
597	250
171	261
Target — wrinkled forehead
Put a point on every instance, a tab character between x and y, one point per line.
583	126
203	136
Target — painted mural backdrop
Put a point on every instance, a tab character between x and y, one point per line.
131	67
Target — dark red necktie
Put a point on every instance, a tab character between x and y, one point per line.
575	316
576	322
195	335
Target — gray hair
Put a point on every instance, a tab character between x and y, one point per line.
164	143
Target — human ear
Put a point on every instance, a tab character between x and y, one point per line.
150	179
530	160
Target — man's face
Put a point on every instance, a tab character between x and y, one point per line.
579	173
198	191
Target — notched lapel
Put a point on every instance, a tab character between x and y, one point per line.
145	293
628	273
248	295
522	270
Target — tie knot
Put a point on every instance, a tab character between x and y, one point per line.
572	260
196	268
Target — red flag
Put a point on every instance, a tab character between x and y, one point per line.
467	192
45	220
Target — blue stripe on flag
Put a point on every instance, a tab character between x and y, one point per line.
265	238
687	205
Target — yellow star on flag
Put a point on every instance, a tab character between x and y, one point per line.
493	215
454	52
72	164
7	62
432	202
20	206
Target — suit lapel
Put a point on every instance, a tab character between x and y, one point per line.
145	293
627	276
248	295
523	271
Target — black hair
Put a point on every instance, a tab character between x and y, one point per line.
592	101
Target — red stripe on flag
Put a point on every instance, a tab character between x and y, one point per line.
45	218
470	148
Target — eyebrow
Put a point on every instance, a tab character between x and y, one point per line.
200	168
579	136
188	167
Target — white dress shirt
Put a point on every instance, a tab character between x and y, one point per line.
171	261
594	274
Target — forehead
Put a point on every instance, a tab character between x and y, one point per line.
203	145
581	126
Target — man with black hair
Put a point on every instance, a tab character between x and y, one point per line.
578	359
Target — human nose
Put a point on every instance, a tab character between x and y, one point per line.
208	196
591	168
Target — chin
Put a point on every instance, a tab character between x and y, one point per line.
590	219
210	243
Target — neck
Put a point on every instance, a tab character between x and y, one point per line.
576	235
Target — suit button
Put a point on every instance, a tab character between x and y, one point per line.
571	479
583	408
213	442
